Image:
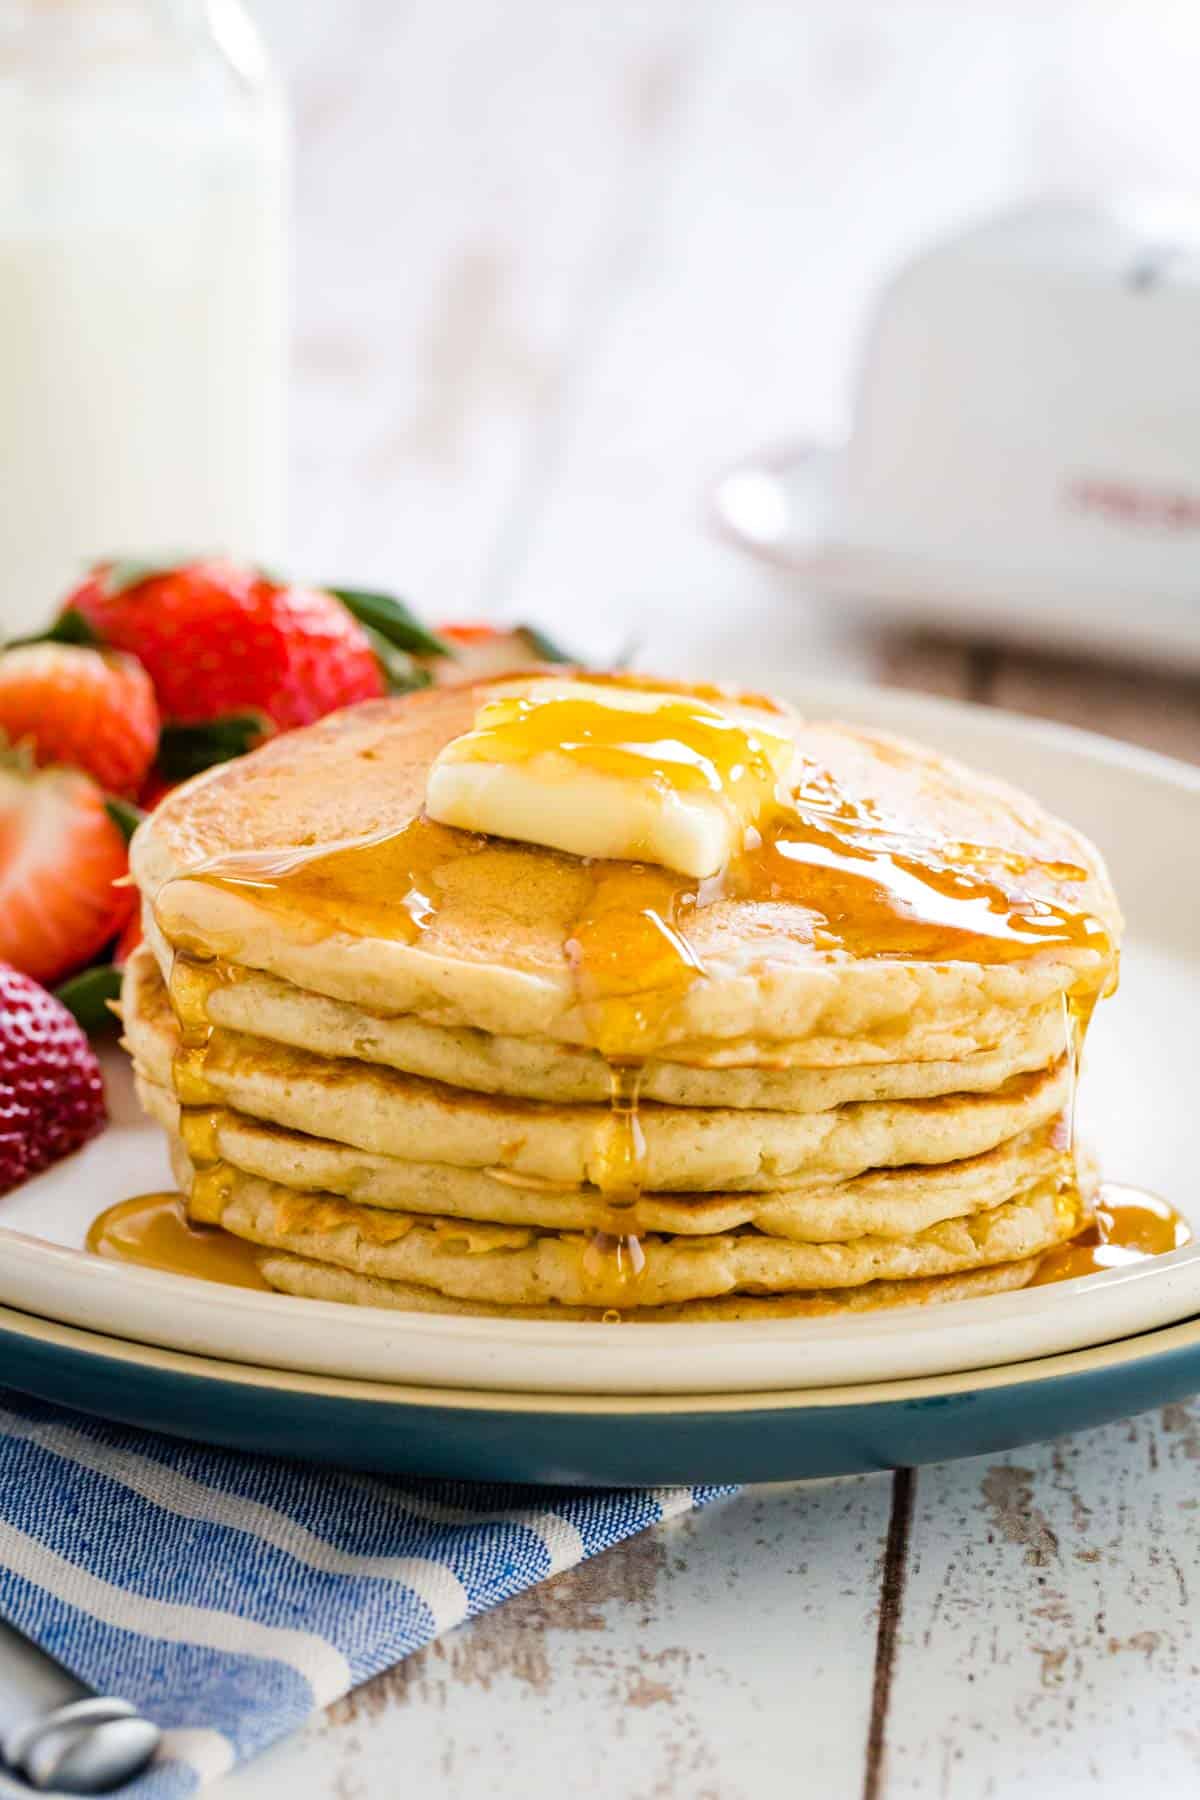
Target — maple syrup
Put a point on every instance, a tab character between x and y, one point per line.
618	1254
872	888
155	1232
683	744
878	890
1127	1226
387	886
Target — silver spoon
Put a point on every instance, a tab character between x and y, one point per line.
55	1734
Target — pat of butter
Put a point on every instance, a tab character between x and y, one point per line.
599	769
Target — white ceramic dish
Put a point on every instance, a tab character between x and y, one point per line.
1022	451
1138	1107
781	507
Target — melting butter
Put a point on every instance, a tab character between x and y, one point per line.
618	773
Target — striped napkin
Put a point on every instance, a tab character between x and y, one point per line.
228	1596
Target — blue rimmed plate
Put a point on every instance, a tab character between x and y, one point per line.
1138	1108
600	1440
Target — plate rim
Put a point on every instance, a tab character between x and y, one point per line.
994	721
1124	1353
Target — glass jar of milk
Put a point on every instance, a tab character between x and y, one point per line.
142	290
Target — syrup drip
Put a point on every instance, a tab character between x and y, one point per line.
1127	1227
608	1253
199	1127
632	965
190	985
154	1231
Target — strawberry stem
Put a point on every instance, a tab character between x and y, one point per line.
185	750
87	996
392	619
543	647
124	815
400	671
70	627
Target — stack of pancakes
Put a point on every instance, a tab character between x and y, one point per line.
377	1049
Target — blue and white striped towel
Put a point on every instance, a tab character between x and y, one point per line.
227	1596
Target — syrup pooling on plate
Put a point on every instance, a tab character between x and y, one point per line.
154	1231
1127	1226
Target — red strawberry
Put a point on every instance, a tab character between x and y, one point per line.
51	1094
219	640
155	788
60	853
482	652
128	941
93	710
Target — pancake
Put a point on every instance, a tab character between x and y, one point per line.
883	1203
247	1001
321	1281
419	1066
389	1114
507	1265
471	931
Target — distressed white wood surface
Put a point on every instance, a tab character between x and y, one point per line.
557	266
1049	1643
678	1665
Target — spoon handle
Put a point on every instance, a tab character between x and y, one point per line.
56	1734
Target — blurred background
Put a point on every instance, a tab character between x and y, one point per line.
557	266
554	269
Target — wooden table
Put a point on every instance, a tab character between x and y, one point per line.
556	267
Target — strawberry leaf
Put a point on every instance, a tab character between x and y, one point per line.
543	647
87	996
392	620
400	671
185	750
124	815
70	627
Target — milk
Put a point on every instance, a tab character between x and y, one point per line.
142	274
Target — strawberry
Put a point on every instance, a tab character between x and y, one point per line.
60	853
93	710
128	941
217	640
156	787
484	651
51	1094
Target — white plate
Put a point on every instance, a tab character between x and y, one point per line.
1139	1106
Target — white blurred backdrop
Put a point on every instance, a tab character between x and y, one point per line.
556	265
